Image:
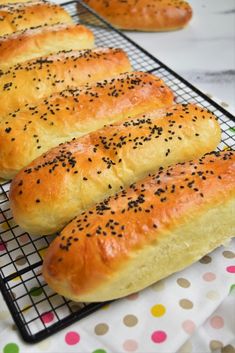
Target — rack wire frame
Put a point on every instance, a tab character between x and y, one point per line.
31	302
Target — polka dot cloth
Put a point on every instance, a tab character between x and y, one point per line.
190	311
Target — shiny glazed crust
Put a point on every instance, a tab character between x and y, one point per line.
17	17
44	76
68	179
156	227
74	113
144	15
43	40
5	2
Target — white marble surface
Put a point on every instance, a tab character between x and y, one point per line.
203	52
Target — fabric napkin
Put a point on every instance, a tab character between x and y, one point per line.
190	311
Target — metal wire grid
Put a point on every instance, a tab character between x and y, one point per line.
31	302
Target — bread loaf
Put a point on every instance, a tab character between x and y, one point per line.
43	40
60	184
5	2
155	228
35	129
27	82
144	15
16	17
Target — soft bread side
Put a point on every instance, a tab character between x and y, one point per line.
43	40
44	76
156	227
75	113
144	15
68	179
17	17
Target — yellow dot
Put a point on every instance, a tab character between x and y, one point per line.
226	148
158	310
105	307
5	226
42	253
26	308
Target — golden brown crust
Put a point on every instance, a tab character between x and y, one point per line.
41	77
75	113
55	187
17	17
5	2
43	40
144	15
98	244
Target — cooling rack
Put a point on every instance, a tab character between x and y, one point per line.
37	311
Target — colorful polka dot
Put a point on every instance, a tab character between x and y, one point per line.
11	348
130	320
20	260
42	253
76	307
228	349
105	307
3	246
186	304
99	351
215	345
159	336
101	329
26	308
212	295
209	276
24	238
47	317
133	296
217	322
205	260
158	310
228	254
72	338
35	291
183	282
130	345
188	326
230	269
232	289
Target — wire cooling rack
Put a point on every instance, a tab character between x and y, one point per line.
37	311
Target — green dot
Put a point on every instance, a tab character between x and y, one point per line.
232	289
11	348
99	351
232	129
35	291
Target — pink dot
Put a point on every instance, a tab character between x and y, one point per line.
47	317
72	338
217	322
130	345
158	336
133	296
231	269
188	326
3	246
209	276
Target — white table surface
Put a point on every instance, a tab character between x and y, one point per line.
203	52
